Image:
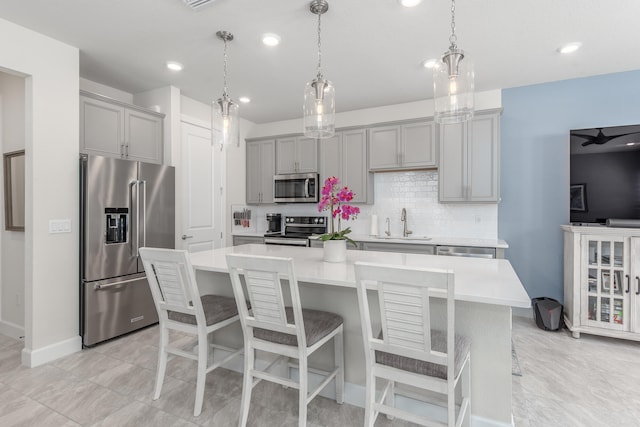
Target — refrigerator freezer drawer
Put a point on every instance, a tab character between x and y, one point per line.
115	307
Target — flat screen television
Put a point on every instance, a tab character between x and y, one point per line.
604	174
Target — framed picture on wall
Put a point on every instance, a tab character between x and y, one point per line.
578	197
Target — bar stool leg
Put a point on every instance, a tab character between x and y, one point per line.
339	362
247	383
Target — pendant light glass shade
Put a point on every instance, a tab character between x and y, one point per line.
319	109
226	128
453	88
319	94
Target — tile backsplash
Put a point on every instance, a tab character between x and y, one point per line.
417	192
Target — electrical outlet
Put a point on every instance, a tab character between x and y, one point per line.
59	226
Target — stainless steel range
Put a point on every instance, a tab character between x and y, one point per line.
297	230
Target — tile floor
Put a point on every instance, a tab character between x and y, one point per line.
592	381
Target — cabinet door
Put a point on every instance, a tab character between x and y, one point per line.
331	158
483	159
354	165
143	139
634	280
306	155
286	155
452	169
101	128
253	172
604	294
267	170
384	148
418	145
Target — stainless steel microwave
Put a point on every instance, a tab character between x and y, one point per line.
296	188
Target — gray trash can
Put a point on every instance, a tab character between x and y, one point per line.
547	313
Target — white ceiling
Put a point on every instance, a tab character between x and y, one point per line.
372	49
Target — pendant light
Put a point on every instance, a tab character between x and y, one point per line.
453	82
319	94
225	126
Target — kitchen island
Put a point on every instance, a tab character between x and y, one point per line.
485	292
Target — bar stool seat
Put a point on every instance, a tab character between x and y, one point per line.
216	309
317	325
462	347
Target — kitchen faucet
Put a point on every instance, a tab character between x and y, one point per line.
403	218
388	232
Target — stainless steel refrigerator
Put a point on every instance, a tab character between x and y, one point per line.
124	205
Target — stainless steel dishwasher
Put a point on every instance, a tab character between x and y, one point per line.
466	251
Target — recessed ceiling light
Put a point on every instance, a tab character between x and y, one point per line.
244	99
174	66
430	63
410	3
569	47
270	39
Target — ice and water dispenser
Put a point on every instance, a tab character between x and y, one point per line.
116	223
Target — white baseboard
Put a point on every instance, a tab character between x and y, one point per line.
354	394
32	358
522	312
11	330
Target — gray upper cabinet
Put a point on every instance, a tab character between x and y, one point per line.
114	129
345	156
404	146
260	171
296	155
469	160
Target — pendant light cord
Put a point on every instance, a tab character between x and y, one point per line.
224	92
319	47
453	38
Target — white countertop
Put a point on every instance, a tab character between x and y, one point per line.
487	281
416	240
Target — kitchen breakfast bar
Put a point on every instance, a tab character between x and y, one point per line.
485	292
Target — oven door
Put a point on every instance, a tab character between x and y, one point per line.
296	188
284	241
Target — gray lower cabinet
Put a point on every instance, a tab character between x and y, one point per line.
296	155
114	129
344	155
260	171
403	146
398	247
469	169
247	240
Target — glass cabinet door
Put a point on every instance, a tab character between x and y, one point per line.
605	294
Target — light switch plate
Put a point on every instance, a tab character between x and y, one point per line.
59	226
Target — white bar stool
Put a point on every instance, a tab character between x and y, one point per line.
407	350
181	308
291	332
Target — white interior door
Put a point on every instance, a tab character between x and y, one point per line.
202	189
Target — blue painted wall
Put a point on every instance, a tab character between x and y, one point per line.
534	183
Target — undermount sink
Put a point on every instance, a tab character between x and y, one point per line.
402	238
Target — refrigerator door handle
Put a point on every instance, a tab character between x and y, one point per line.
135	234
99	286
143	196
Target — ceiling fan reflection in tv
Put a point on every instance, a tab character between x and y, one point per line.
600	138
